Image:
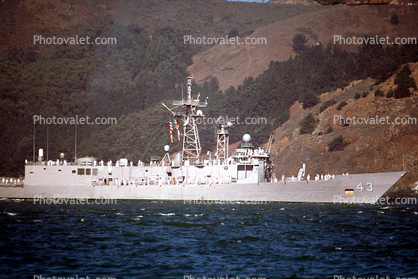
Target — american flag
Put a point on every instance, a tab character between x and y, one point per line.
177	128
171	132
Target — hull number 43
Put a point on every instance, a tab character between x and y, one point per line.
367	187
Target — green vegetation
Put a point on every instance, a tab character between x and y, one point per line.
330	130
128	81
326	105
365	94
233	33
357	96
307	124
394	19
299	42
338	143
309	100
341	105
379	93
389	94
88	80
404	81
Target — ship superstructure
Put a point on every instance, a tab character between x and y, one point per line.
246	175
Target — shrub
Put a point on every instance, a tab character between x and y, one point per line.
330	130
341	105
364	95
394	19
309	100
402	91
389	94
233	33
378	93
338	143
326	105
281	117
404	82
403	76
299	42
357	96
307	124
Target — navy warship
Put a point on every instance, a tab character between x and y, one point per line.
245	176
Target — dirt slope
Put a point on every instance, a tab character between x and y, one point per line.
373	148
20	20
232	63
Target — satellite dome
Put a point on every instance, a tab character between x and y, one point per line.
199	113
246	138
166	148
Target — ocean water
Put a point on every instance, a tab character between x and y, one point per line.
166	239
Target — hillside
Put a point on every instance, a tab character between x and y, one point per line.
366	2
372	148
230	64
21	20
150	63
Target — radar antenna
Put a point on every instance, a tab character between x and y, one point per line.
191	141
222	143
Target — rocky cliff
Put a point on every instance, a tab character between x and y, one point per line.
382	134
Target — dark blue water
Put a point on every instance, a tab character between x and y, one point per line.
146	239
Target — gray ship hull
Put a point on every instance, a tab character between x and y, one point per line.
221	179
357	188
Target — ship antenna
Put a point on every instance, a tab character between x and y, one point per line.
47	141
191	141
34	142
75	143
222	142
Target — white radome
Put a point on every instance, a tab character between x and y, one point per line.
246	138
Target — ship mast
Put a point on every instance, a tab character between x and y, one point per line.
222	144
191	141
